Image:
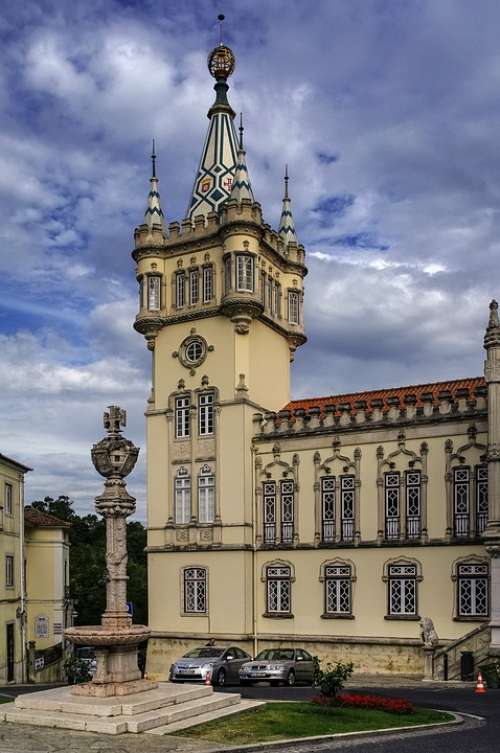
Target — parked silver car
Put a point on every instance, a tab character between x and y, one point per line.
279	665
222	662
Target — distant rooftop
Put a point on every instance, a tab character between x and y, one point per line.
34	517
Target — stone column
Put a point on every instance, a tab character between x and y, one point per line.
492	533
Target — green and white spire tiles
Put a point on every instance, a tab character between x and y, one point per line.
153	214
242	188
215	176
287	227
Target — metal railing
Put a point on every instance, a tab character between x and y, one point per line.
392	529
269	533
328	531
461	525
413	527
348	530
286	533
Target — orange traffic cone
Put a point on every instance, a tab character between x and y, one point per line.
208	679
480	686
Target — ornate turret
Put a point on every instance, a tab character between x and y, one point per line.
287	226
153	214
242	188
214	179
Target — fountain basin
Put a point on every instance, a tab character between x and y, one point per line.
101	635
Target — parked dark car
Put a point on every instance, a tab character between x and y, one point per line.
279	665
221	662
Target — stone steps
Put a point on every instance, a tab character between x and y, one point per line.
162	708
244	705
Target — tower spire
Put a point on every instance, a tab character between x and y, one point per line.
287	227
242	188
214	179
153	214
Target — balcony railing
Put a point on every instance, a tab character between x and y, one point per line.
328	531
286	533
482	521
392	529
269	533
461	525
413	527
348	530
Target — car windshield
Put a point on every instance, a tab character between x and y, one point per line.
204	653
276	654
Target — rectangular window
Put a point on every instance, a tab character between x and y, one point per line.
347	508
206	498
287	489
263	283
269	495
208	284
244	273
194	288
195	590
206	414
8	503
328	492
413	485
279	590
481	498
180	289
227	275
9	571
182	497
293	307
338	589
392	507
402	590
182	407
153	293
472	590
461	486
277	297
270	297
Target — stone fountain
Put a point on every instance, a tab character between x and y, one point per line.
116	639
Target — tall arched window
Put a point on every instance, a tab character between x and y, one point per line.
195	590
206	495
182	496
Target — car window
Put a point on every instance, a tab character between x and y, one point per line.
276	654
205	652
239	654
307	656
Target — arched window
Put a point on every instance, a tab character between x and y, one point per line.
195	590
206	495
402	577
278	580
182	497
338	577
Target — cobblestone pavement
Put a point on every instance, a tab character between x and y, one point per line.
20	738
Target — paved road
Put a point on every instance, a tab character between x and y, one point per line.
469	738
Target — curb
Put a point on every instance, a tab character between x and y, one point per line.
458	719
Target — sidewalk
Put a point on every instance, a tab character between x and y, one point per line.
403	681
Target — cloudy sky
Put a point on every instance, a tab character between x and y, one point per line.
387	112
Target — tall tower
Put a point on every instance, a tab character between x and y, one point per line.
221	301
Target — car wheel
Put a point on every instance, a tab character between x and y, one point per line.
290	680
220	678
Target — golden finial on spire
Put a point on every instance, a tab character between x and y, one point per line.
221	60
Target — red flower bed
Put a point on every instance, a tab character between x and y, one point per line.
392	705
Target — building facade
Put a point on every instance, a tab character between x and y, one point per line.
335	523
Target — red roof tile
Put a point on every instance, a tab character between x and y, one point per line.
34	517
419	391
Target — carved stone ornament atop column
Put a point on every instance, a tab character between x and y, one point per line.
116	639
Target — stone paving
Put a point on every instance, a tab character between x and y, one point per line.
16	738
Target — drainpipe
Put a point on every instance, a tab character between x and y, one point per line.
254	554
22	616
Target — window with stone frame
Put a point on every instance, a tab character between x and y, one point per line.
278	589
206	495
413	492
402	590
208	283
287	493
277	295
154	283
182	497
182	413
8	499
481	498
338	589
194	287
9	571
228	283
263	286
270	296
269	511
206	402
472	589
328	504
180	289
195	590
293	307
244	273
392	492
461	501
347	508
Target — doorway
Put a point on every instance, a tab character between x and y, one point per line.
10	652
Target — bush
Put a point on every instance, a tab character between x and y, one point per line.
491	674
378	702
331	681
76	670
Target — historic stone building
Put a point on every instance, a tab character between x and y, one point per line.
334	523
